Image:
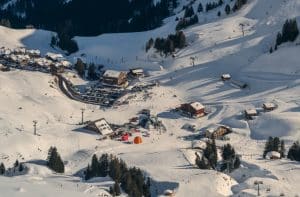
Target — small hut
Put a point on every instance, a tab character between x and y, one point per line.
269	106
226	77
250	113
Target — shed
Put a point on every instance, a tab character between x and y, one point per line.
269	106
250	113
101	126
226	77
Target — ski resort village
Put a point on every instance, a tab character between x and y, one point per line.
184	98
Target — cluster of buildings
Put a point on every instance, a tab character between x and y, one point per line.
136	128
25	58
121	78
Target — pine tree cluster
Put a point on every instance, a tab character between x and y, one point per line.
289	32
274	144
169	44
90	17
131	180
190	18
17	167
54	160
239	4
209	159
185	22
294	152
230	160
212	5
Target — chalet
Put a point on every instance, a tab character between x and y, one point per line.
217	131
193	109
113	77
269	106
100	126
250	113
226	77
136	72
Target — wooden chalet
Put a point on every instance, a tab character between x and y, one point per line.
193	109
112	77
217	131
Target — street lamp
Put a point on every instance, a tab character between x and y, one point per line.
258	183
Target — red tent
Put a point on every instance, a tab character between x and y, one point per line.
125	137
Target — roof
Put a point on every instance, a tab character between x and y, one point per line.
226	76
251	111
269	105
54	56
137	70
112	73
197	105
103	127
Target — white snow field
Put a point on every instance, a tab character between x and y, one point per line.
218	47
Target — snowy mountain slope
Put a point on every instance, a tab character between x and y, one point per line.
219	47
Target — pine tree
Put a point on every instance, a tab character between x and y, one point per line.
103	165
80	67
91	72
210	153
282	149
54	161
219	13
2	169
95	166
200	7
117	189
189	11
112	191
227	9
278	39
149	44
88	173
202	162
16	164
294	152
21	167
